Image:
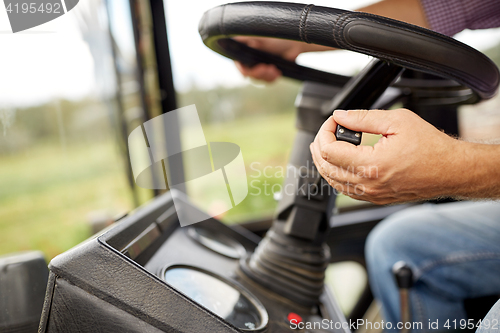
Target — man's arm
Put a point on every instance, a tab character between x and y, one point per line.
409	11
412	160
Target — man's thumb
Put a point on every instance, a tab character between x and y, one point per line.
369	121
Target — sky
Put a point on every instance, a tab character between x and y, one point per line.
54	61
44	62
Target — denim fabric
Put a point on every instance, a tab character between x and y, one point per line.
453	250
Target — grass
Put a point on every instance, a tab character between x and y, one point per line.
47	192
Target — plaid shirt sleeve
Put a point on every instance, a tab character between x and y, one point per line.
452	16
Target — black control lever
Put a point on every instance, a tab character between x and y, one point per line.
404	279
370	83
345	134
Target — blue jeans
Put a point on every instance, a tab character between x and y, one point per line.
453	250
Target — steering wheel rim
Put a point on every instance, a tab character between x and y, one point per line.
389	40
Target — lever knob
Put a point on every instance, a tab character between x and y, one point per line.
403	274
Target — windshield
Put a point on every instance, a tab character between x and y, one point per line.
70	95
61	170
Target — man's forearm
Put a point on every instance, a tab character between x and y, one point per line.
477	171
409	11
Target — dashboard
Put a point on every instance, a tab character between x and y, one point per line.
154	275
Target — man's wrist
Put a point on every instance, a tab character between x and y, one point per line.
475	172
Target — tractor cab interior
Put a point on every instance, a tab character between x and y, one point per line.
146	273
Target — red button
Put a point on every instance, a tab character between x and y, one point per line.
294	318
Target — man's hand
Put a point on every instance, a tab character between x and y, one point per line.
412	160
287	49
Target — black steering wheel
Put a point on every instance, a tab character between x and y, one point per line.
392	41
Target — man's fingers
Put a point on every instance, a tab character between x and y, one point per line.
333	172
339	153
346	155
243	69
327	142
253	42
337	181
369	121
265	72
326	133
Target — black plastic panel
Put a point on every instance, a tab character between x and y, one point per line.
97	286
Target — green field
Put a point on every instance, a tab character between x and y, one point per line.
48	192
46	195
